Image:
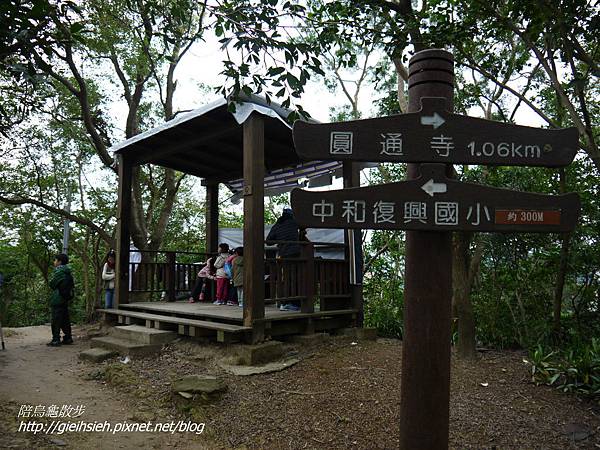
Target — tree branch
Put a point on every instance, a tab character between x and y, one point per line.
121	76
472	65
17	201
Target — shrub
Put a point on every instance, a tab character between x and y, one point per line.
383	310
574	370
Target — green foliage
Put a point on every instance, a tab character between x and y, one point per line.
576	369
25	26
20	295
384	282
288	64
383	307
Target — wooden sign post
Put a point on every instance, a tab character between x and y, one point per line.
430	205
433	202
433	134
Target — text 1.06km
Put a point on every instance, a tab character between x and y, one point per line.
507	150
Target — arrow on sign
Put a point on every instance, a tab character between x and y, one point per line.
436	120
432	188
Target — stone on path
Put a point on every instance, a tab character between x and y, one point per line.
96	354
199	384
277	366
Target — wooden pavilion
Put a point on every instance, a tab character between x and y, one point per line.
252	144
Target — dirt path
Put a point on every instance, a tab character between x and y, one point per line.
32	373
342	395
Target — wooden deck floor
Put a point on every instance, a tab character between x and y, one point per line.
229	313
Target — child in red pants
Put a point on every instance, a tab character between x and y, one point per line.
222	279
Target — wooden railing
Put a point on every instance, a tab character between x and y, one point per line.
165	272
306	279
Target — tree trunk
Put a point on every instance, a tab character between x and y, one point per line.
461	302
90	299
562	269
560	282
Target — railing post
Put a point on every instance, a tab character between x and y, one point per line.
170	276
308	302
279	267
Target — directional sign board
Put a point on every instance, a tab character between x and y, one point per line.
434	202
435	135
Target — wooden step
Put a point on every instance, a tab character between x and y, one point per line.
191	327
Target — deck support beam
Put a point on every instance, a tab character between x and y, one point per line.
212	217
353	241
125	172
254	268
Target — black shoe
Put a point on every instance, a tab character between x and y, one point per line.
67	341
53	344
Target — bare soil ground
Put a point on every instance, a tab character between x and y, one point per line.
341	395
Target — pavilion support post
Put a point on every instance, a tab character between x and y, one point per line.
212	217
254	263
353	241
425	384
125	172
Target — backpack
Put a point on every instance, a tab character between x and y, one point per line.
228	268
66	289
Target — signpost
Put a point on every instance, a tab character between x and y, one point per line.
430	205
434	202
435	135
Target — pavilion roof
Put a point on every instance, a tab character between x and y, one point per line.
208	143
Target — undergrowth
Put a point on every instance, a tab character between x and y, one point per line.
575	370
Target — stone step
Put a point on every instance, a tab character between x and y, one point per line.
125	346
143	335
97	354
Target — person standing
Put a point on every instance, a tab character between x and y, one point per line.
108	275
238	274
62	286
232	299
286	229
222	278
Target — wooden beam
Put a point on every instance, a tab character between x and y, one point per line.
194	157
141	154
125	171
273	152
254	265
184	168
352	239
212	217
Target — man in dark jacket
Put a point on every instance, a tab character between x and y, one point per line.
61	284
285	229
